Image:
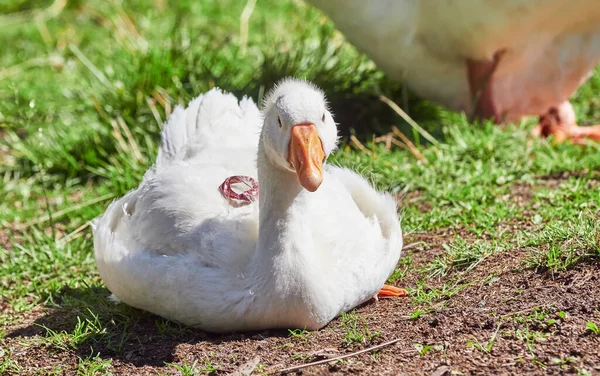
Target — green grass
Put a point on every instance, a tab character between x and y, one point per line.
424	349
84	92
356	329
592	327
487	346
299	334
93	365
193	369
461	255
561	245
530	339
424	293
80	334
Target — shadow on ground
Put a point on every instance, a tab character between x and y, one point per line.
118	331
501	317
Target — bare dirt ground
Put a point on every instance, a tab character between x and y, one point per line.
499	318
503	305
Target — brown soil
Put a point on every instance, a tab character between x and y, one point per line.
538	320
5	240
507	304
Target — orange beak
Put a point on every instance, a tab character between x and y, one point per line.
306	155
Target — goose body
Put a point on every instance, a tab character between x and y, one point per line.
293	259
523	57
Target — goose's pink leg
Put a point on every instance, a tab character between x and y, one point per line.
560	122
481	77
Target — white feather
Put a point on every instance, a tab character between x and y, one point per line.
176	248
551	46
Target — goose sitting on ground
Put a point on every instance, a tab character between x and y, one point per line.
186	246
500	59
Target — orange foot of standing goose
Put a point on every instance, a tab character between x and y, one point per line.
388	291
560	122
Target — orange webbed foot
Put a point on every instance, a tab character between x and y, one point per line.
560	123
389	291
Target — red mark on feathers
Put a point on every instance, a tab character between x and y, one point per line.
243	198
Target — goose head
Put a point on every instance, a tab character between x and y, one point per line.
299	132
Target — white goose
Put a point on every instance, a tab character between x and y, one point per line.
500	59
318	242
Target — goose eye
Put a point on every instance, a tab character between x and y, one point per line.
323	118
279	121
